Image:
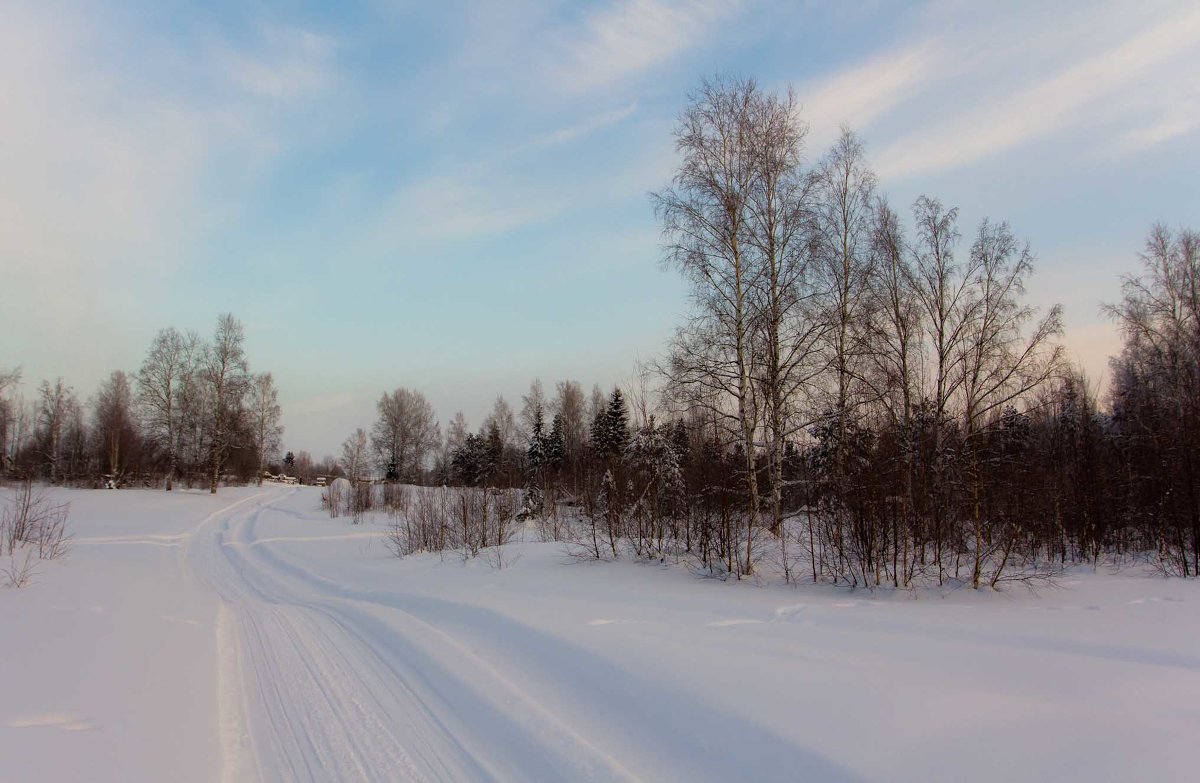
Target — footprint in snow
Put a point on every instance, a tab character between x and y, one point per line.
727	623
64	721
620	622
181	620
791	613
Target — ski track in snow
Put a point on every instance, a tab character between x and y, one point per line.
317	685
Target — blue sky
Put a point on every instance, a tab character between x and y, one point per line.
453	196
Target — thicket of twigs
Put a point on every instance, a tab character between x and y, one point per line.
33	529
465	520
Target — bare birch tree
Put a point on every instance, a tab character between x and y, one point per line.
265	414
844	201
704	215
403	434
1003	358
226	377
8	413
891	330
355	456
113	424
787	327
160	382
941	289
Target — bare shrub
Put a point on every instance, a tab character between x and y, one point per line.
19	571
396	498
361	500
466	520
33	528
422	526
32	519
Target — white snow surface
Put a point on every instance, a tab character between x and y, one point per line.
249	637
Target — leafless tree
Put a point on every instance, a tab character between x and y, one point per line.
265	414
404	432
457	431
195	406
501	416
113	424
8	413
570	403
355	455
704	215
845	188
160	383
1003	358
788	327
941	287
305	467
56	405
1156	390
891	331
226	378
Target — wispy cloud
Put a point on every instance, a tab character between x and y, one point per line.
632	36
289	63
587	127
323	403
1162	130
864	92
452	207
1100	85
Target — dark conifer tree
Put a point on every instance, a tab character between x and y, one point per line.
555	447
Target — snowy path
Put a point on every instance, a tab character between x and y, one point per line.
317	685
321	682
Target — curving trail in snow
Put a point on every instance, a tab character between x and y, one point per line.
322	681
317	684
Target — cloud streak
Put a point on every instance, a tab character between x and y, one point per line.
289	63
861	94
587	127
1099	86
448	208
632	36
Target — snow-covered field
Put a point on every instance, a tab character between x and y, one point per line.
249	637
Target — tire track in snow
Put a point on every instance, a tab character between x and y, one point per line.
534	705
287	706
315	688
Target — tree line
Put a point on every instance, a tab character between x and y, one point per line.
860	394
193	412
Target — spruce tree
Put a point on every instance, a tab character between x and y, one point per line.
495	452
599	430
537	440
555	450
616	425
